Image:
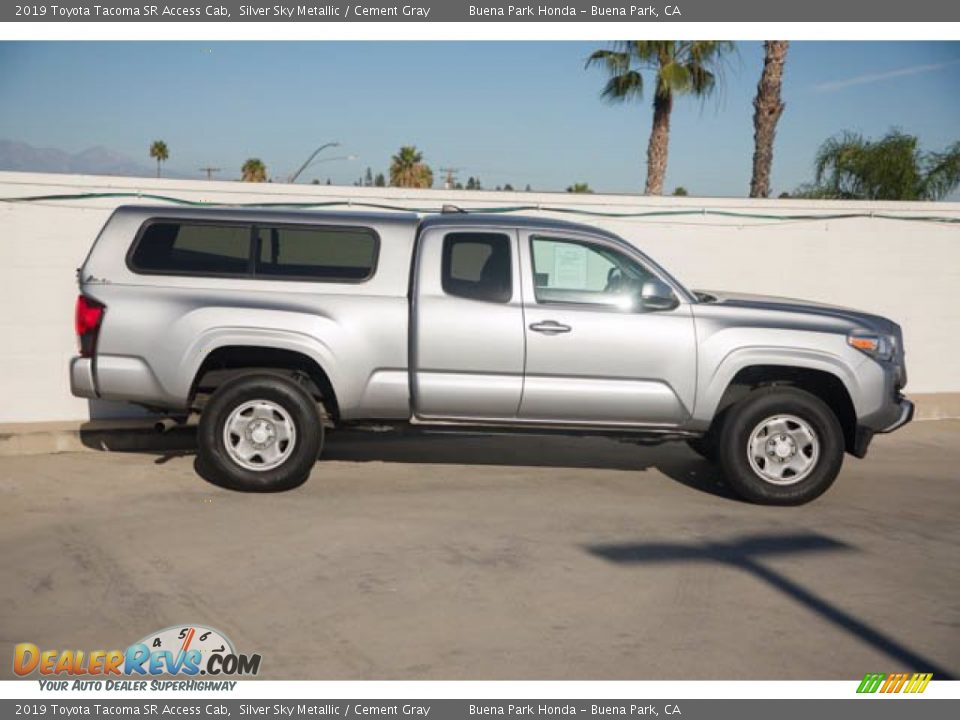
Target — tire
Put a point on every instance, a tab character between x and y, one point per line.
275	434
762	441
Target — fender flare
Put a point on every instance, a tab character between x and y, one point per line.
218	337
740	358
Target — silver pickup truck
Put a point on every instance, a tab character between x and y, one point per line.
275	325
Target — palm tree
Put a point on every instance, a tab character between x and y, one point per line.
767	109
158	151
407	169
254	171
687	67
892	168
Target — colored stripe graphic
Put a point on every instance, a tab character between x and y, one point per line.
918	683
871	682
894	682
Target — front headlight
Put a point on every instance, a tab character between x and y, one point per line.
875	345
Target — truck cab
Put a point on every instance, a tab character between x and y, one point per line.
523	321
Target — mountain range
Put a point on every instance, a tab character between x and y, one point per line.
97	160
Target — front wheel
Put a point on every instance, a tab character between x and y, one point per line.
705	446
781	446
259	432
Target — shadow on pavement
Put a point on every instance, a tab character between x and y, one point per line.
746	555
673	459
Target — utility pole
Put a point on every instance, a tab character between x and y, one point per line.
450	181
210	171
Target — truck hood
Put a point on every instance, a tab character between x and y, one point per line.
877	323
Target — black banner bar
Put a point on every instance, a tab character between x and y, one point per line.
479	11
157	707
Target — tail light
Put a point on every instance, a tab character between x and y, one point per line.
89	315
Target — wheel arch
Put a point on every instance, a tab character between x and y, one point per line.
229	361
824	384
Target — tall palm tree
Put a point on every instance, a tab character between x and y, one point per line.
767	109
687	67
254	171
849	166
407	169
158	151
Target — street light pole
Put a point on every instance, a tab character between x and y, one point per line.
293	178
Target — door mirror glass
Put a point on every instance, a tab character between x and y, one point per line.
657	295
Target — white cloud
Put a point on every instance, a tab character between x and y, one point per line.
868	78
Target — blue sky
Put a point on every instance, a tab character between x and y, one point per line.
517	112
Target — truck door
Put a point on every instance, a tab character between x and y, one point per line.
597	352
467	343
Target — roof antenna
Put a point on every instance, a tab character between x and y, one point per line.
448	209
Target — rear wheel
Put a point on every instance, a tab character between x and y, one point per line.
260	432
781	446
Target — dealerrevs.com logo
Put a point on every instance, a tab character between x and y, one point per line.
180	650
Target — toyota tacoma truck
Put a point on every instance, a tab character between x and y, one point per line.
274	326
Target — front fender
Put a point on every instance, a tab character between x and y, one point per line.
714	382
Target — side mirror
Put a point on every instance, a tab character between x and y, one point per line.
657	295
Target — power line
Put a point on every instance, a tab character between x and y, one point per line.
210	171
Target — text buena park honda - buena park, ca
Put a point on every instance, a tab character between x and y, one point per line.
636	11
331	11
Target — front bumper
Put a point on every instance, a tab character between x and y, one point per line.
900	413
905	416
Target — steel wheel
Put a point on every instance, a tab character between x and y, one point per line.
783	449
259	435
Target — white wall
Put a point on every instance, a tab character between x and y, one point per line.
907	270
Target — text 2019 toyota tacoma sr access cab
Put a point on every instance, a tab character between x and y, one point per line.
274	324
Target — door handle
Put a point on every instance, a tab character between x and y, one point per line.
550	327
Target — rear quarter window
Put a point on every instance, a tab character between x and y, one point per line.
332	254
177	247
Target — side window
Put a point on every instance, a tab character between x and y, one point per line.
192	249
317	253
477	266
575	271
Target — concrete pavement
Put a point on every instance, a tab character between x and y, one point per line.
495	558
